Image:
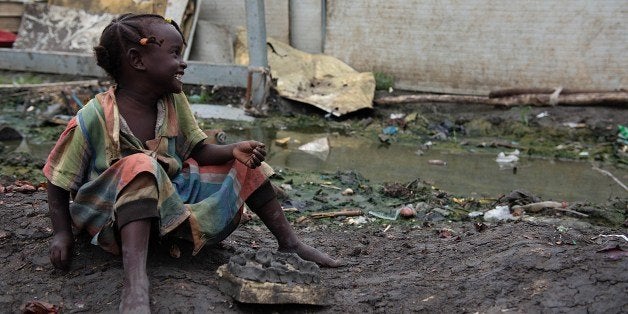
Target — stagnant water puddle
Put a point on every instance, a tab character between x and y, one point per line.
474	174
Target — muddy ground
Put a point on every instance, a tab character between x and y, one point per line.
441	260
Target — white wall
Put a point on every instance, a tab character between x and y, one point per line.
233	14
475	46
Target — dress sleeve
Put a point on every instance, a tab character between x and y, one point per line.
190	134
66	166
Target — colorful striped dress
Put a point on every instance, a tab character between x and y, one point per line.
112	177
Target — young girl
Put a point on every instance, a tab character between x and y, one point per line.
134	157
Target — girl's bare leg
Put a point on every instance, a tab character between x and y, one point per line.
273	217
135	295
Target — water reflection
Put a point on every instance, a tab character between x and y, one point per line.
472	174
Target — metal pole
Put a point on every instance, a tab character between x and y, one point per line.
258	58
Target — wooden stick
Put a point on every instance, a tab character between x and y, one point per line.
582	99
536	207
612	177
391	100
522	91
345	212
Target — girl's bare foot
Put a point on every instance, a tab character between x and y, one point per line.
311	254
135	297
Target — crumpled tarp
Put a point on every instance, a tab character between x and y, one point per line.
316	79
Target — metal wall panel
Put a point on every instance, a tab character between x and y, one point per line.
475	46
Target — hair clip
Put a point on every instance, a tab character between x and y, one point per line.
168	20
144	41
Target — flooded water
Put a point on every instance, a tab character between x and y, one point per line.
465	174
472	174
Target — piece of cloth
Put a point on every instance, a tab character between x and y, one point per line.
96	157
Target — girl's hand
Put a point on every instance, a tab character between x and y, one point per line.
250	153
61	250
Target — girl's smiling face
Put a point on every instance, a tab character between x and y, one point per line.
164	61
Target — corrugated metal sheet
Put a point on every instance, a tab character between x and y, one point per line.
475	46
233	15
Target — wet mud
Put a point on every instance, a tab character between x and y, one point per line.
444	258
543	263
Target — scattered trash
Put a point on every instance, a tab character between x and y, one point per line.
348	191
407	211
622	136
574	125
392	215
445	233
40	307
384	138
411	117
508	157
360	220
318	148
20	187
499	213
390	130
475	214
437	162
394	116
508	160
446	129
542	115
621	236
283	142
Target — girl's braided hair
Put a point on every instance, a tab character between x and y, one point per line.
127	30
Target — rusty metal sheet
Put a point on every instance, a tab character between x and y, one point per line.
474	46
55	28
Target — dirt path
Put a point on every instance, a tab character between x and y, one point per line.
547	262
542	265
